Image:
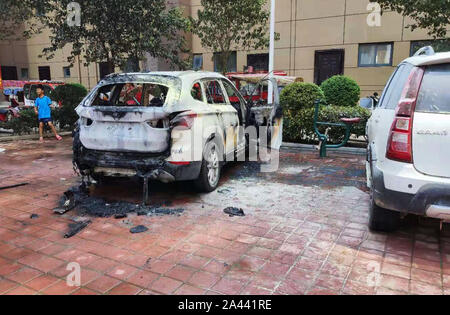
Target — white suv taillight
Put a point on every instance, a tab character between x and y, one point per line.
399	146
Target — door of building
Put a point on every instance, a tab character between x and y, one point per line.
327	64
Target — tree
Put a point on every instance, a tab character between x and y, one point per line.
224	24
117	31
14	14
432	15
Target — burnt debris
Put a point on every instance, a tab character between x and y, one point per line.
157	211
234	212
76	227
66	203
13	186
138	229
86	205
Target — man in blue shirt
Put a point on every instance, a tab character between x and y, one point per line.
44	112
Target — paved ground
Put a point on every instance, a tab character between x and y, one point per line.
304	233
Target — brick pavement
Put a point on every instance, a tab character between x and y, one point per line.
305	232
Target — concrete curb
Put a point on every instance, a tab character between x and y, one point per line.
32	137
310	147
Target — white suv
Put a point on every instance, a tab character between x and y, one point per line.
408	165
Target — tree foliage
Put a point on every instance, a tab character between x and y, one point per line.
222	25
116	31
69	96
432	15
18	18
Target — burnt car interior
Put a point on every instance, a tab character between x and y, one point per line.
131	94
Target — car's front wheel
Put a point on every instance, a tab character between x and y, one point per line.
211	168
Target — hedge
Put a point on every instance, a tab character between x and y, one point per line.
340	90
298	96
300	127
65	117
69	95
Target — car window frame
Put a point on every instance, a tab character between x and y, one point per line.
225	96
241	99
204	100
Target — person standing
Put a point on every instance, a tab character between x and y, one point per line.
44	112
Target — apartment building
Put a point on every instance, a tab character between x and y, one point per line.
318	38
21	60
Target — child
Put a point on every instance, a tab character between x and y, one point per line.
42	108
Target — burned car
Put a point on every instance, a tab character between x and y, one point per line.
168	126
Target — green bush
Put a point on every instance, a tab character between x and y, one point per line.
24	124
300	127
69	95
341	91
298	96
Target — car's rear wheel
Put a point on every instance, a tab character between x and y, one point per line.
380	219
211	168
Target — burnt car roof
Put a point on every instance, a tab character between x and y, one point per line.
159	76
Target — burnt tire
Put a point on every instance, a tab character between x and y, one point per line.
76	145
210	171
382	220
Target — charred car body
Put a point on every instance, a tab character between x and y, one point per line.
168	126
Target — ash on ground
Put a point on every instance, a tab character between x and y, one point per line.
86	205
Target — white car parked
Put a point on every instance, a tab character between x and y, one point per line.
408	167
167	126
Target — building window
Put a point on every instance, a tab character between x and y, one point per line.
232	63
24	73
44	73
9	73
197	62
259	62
66	72
375	55
439	45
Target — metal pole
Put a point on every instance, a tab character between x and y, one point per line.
271	49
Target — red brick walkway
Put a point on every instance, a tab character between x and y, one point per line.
304	233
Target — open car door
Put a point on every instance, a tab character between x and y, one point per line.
267	114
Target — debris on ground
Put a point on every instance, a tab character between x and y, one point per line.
87	205
13	186
234	212
77	227
34	216
159	211
139	229
66	203
2	150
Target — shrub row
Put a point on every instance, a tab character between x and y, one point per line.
300	128
340	92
